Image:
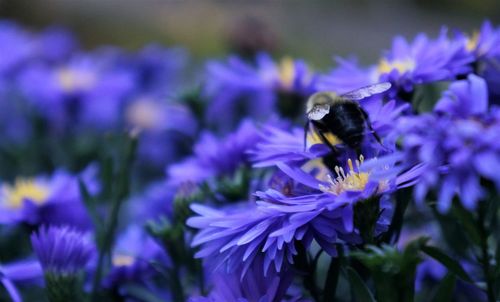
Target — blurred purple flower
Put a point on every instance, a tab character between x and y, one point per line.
214	157
22	272
55	200
132	258
164	129
83	92
17	46
62	250
407	64
158	69
255	286
155	201
238	88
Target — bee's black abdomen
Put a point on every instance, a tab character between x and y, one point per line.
346	121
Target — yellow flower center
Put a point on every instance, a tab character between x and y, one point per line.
123	260
287	72
350	181
72	80
401	66
24	189
472	41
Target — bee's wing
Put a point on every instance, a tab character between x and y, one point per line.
367	91
318	111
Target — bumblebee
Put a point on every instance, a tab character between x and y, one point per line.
342	116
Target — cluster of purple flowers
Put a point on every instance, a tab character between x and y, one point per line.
137	183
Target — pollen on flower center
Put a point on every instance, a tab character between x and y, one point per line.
123	260
24	189
353	180
401	66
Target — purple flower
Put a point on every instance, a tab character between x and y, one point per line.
21	271
62	250
464	98
158	69
164	129
132	256
54	200
215	157
17	47
236	86
255	286
320	210
456	147
86	91
55	44
277	146
483	44
407	64
155	201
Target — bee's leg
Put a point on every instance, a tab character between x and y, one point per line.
369	125
306	132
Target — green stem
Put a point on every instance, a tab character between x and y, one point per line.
332	278
308	278
485	257
121	192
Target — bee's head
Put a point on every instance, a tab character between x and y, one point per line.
318	104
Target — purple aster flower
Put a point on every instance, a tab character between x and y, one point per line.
132	257
158	69
155	201
255	286
236	87
86	91
215	157
484	46
407	64
277	146
17	46
19	272
62	250
424	60
55	44
164	129
234	238
464	98
456	146
53	200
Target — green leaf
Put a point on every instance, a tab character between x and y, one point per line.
451	264
359	289
466	219
444	292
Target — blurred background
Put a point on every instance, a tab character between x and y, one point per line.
313	30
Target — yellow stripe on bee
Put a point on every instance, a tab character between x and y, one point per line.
313	138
